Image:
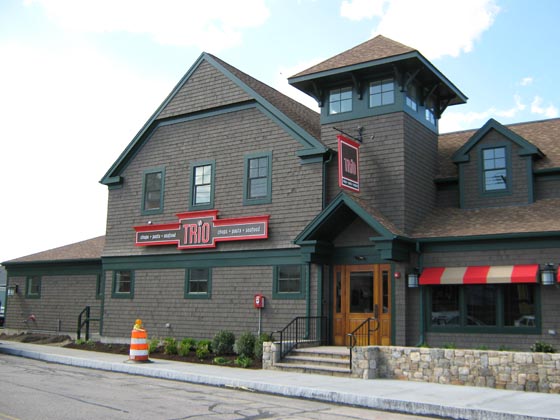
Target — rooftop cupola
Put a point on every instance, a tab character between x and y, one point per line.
377	77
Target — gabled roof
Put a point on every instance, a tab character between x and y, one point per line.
340	213
527	148
300	121
543	135
90	249
382	54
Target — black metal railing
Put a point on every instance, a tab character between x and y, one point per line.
83	320
361	336
310	330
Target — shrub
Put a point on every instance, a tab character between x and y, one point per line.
223	343
153	345
542	347
245	345
170	345
203	349
185	346
449	346
222	361
80	342
258	351
243	361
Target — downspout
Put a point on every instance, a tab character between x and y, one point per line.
422	309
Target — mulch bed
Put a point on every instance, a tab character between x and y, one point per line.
65	341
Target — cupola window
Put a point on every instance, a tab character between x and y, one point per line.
381	92
340	100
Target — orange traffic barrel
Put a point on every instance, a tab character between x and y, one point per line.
139	343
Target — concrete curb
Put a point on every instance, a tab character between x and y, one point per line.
402	405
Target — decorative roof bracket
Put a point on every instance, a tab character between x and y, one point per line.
410	79
317	93
357	85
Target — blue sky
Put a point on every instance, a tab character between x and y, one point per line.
79	78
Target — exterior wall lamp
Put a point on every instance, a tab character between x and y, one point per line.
12	290
413	279
547	275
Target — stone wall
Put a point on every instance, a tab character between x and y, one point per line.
538	372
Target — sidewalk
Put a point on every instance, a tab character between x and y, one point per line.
419	398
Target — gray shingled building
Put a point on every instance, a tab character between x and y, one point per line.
232	190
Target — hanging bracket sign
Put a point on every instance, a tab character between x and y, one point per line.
348	164
202	229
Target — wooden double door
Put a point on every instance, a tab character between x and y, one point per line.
362	292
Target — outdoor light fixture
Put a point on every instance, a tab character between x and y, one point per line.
547	274
413	279
12	290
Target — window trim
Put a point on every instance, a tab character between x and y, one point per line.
193	166
122	295
276	294
500	328
187	294
340	91
28	293
482	170
147	172
247	201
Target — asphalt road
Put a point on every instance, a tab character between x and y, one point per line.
31	389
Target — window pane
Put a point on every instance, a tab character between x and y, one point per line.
481	304
152	197
495	180
198	280
340	100
381	93
338	292
289	279
257	186
33	286
361	292
445	305
123	281
519	305
385	291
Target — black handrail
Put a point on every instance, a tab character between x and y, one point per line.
86	321
361	336
303	329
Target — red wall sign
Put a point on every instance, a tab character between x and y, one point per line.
348	164
202	229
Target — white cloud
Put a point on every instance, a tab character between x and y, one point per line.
459	23
361	9
67	114
209	25
549	111
526	81
457	121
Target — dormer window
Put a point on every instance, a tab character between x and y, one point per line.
494	169
381	92
340	100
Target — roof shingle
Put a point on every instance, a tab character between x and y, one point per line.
90	249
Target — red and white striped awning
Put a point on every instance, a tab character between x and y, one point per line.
485	274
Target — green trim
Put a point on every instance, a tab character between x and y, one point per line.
99	285
207	295
54	268
527	148
247	201
102	305
547	171
159	210
28	282
120	295
304	274
530	180
499	328
205	259
413	56
192	167
342	199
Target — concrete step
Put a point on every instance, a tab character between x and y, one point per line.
320	370
333	361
